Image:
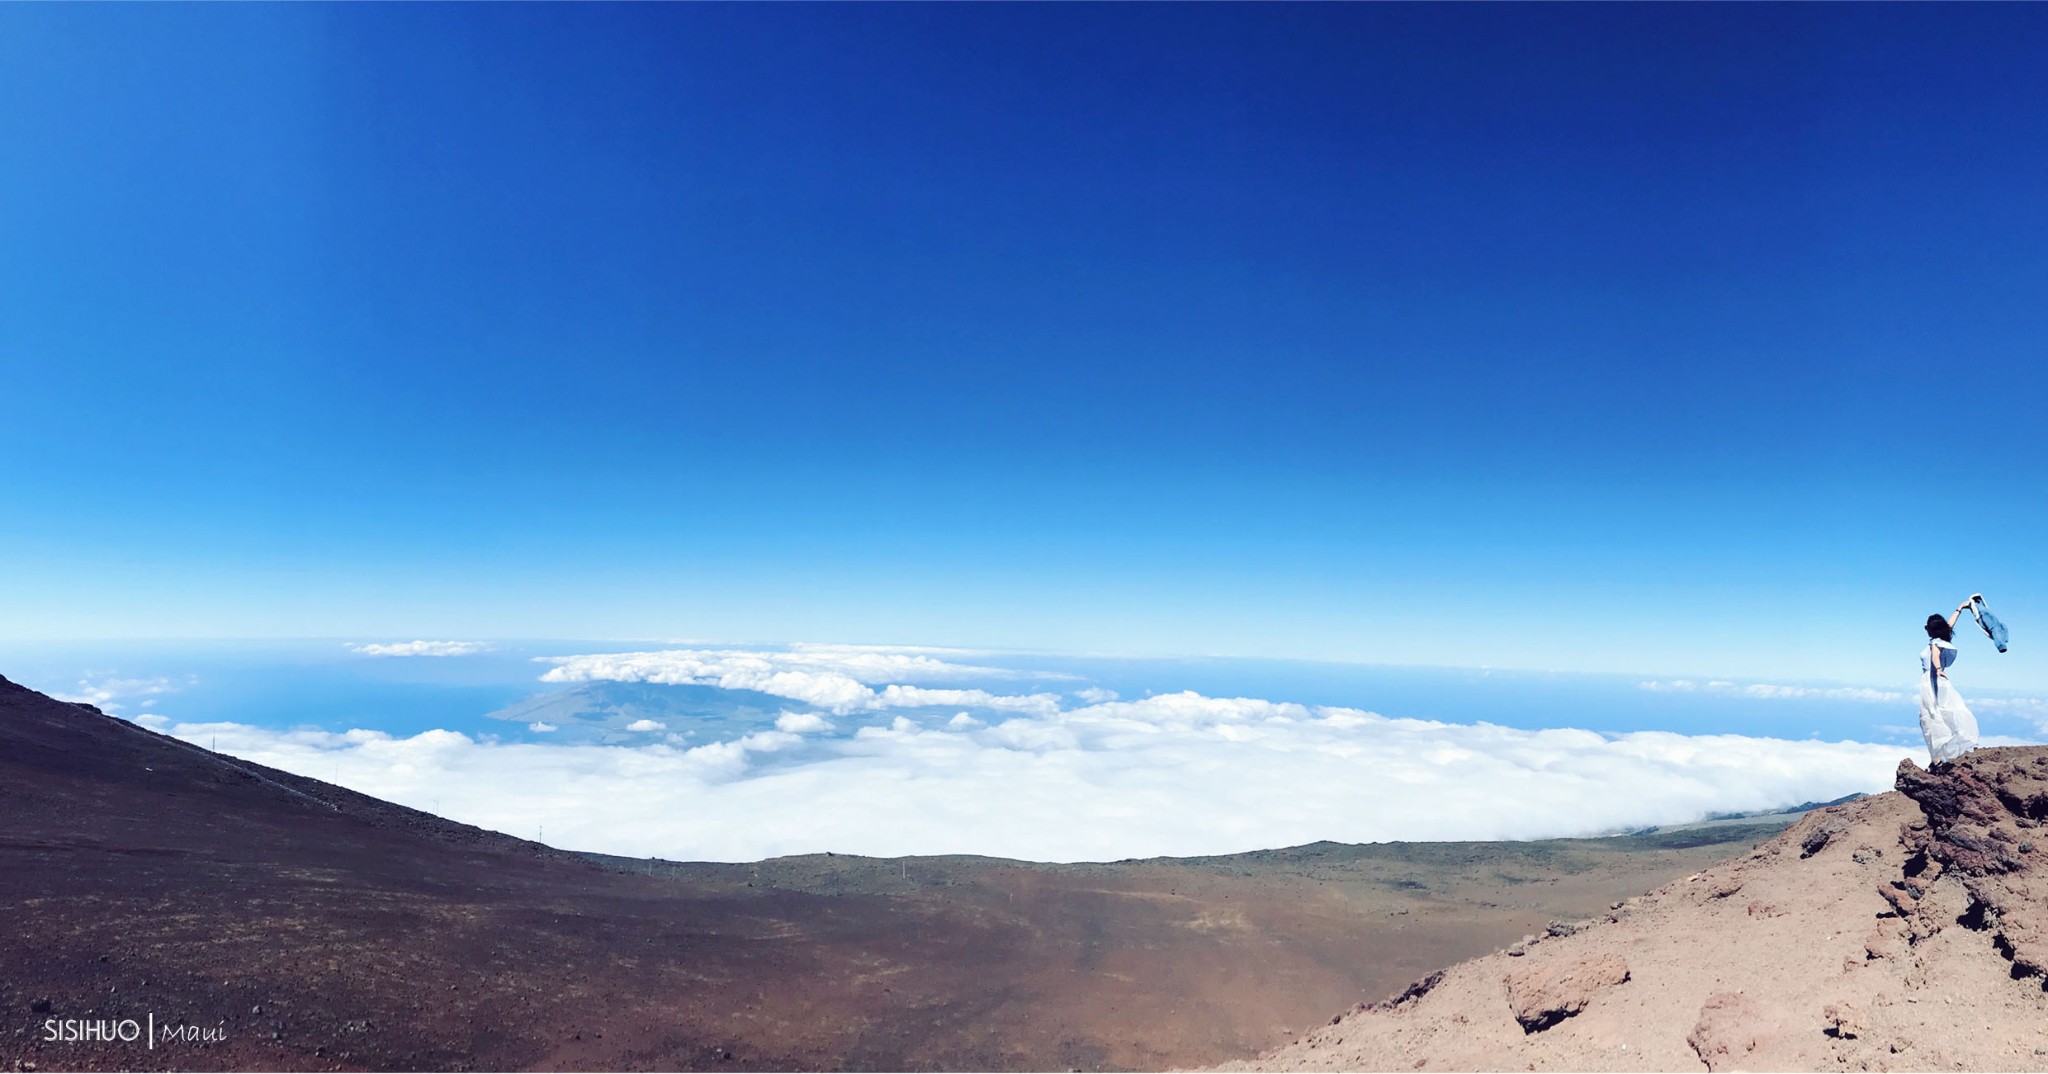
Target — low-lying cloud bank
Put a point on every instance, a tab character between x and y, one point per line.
1175	774
2034	709
421	648
115	694
840	679
1767	691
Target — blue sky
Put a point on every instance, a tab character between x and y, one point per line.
1647	339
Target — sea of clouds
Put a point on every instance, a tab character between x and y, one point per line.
888	752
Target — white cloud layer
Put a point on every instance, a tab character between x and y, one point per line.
799	723
2032	709
1774	692
1175	774
925	650
421	648
113	694
839	678
2023	706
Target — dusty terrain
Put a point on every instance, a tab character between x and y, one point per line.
310	927
1905	931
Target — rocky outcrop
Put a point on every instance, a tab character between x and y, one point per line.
1410	994
1986	824
1553	990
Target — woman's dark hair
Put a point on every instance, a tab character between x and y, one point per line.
1937	627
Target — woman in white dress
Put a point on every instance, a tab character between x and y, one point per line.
1950	728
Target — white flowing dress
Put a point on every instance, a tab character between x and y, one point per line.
1950	728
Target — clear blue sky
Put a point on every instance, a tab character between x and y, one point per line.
1377	332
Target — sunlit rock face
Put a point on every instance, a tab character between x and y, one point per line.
1987	825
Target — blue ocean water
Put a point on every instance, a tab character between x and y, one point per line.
324	684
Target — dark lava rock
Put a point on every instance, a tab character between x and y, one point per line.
1975	807
1412	993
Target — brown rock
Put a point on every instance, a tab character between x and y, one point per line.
1966	803
1817	838
1845	1020
1553	990
1727	1030
1974	806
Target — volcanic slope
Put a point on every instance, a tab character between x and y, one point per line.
312	927
1904	931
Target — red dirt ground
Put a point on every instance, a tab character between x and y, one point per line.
1904	931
